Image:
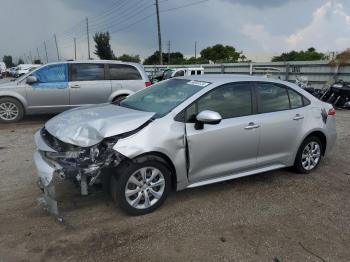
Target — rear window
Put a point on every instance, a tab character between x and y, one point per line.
88	72
123	72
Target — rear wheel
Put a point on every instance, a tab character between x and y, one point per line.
118	99
309	155
11	110
141	188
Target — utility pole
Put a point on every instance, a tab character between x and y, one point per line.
37	50
58	54
31	57
75	48
159	35
169	45
47	58
195	49
88	36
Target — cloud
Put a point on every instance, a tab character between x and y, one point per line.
328	30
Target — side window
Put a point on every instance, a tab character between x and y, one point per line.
193	73
88	72
199	72
295	99
230	100
271	97
52	74
179	73
123	72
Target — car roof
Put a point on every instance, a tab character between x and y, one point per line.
94	62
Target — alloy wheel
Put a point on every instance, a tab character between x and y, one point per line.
311	155
8	111
145	187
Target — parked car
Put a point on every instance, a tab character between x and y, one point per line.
56	87
24	69
11	71
2	69
182	133
176	72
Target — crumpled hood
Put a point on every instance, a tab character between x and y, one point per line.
88	125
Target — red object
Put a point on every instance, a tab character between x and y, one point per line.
332	112
147	84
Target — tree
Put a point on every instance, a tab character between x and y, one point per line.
176	58
37	62
130	58
220	53
309	55
20	61
103	47
7	59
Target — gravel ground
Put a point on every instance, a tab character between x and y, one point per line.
276	216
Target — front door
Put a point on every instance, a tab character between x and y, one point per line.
50	93
88	84
229	147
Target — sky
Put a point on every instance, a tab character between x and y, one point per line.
251	26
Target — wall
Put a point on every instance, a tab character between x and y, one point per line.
318	73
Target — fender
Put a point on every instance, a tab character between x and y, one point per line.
118	93
15	95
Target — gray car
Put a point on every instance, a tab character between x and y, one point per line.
56	87
183	133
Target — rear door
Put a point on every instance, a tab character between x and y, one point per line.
50	93
88	84
281	115
125	78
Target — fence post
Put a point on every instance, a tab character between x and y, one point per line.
222	69
287	71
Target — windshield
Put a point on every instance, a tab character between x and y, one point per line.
163	97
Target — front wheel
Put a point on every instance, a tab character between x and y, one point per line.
140	188
309	155
10	110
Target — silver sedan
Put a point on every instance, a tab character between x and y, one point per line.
183	133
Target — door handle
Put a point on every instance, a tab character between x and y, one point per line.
251	125
298	117
75	86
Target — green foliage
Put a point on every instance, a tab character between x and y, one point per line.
7	59
220	53
309	55
176	58
103	47
20	61
129	58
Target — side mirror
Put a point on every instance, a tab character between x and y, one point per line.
31	80
207	117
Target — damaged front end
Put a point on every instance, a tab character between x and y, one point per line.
85	166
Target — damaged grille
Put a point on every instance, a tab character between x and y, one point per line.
57	144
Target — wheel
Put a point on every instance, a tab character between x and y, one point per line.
118	99
140	188
309	155
11	110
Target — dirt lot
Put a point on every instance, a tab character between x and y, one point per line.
276	216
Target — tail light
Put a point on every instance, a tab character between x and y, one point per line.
147	84
331	112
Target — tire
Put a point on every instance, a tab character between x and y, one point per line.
155	190
11	110
118	99
309	155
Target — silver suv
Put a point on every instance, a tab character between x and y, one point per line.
56	87
183	133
